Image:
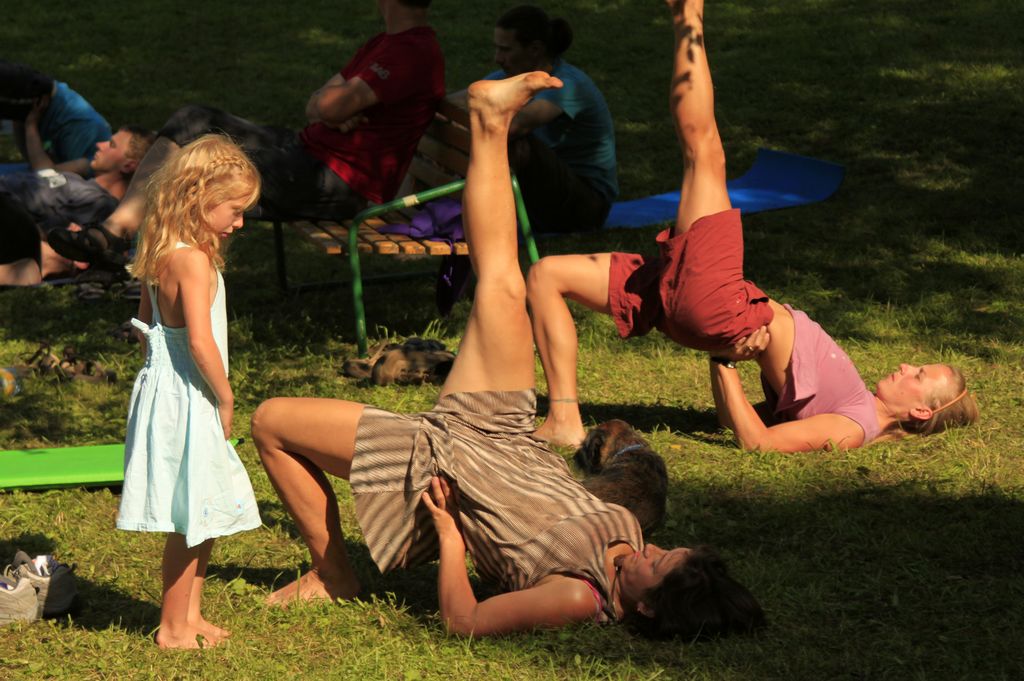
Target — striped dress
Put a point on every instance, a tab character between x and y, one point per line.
523	515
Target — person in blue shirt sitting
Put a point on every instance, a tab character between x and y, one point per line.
562	143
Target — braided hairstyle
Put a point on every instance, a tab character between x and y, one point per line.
180	195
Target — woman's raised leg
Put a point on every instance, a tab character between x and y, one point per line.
497	349
299	440
692	104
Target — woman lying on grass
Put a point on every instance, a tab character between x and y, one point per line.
470	475
695	294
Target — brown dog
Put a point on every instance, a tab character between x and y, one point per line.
622	469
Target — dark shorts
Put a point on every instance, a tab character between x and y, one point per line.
295	184
556	198
694	292
19	236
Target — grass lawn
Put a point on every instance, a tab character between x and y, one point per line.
898	561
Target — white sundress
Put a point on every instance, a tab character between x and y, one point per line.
180	475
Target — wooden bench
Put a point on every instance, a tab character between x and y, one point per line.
438	169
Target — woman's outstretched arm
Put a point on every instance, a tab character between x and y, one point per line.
823	431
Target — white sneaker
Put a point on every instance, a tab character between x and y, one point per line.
18	601
54	581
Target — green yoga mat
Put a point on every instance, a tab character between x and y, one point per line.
92	466
96	465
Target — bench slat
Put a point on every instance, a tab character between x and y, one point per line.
453	112
433	175
320	238
391	243
444	155
449	134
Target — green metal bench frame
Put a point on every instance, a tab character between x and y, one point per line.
441	151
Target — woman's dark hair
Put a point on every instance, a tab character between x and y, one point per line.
698	600
531	23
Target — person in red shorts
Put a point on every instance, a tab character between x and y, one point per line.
695	293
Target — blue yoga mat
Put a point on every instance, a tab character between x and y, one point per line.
6	168
776	180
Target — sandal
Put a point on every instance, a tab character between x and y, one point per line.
90	292
363	368
90	371
94	244
407	366
42	361
414	362
132	290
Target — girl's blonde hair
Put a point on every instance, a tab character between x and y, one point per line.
180	195
952	407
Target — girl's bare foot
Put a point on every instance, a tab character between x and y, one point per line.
496	101
211	633
312	586
186	638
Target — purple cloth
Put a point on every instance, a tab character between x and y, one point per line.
822	380
439	220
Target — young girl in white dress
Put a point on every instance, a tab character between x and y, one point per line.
181	475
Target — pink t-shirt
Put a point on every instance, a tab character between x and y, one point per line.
822	380
406	72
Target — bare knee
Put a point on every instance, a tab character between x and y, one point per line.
261	426
703	147
506	293
543	278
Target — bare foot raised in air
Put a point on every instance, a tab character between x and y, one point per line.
679	8
496	101
312	587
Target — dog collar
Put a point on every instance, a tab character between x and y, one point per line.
628	448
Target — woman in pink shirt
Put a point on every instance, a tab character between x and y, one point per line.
695	293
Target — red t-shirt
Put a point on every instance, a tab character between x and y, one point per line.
406	72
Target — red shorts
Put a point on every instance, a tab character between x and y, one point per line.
694	292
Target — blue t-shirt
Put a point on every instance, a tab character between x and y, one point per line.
71	126
583	137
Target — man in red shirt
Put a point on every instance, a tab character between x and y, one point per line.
364	125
